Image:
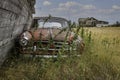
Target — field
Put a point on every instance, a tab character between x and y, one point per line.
100	61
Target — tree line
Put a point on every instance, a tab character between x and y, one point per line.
117	24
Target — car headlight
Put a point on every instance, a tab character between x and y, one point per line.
71	37
24	38
23	42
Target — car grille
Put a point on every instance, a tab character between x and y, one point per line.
54	45
48	45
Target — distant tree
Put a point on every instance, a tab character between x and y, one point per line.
117	24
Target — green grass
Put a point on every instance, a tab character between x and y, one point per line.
100	61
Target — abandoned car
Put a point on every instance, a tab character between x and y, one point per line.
49	34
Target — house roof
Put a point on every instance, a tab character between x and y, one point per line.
92	19
89	18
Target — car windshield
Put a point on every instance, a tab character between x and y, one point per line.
51	24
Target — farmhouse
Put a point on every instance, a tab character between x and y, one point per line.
92	22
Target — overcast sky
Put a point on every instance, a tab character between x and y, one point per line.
107	10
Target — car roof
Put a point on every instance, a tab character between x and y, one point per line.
51	19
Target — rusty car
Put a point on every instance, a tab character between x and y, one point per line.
48	34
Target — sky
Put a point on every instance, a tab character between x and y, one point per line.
106	10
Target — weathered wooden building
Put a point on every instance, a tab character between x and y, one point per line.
92	22
15	15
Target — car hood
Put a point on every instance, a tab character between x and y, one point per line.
51	33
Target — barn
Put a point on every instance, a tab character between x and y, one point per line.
92	22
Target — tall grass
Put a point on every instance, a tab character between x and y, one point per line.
100	61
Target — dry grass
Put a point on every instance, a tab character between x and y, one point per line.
100	61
